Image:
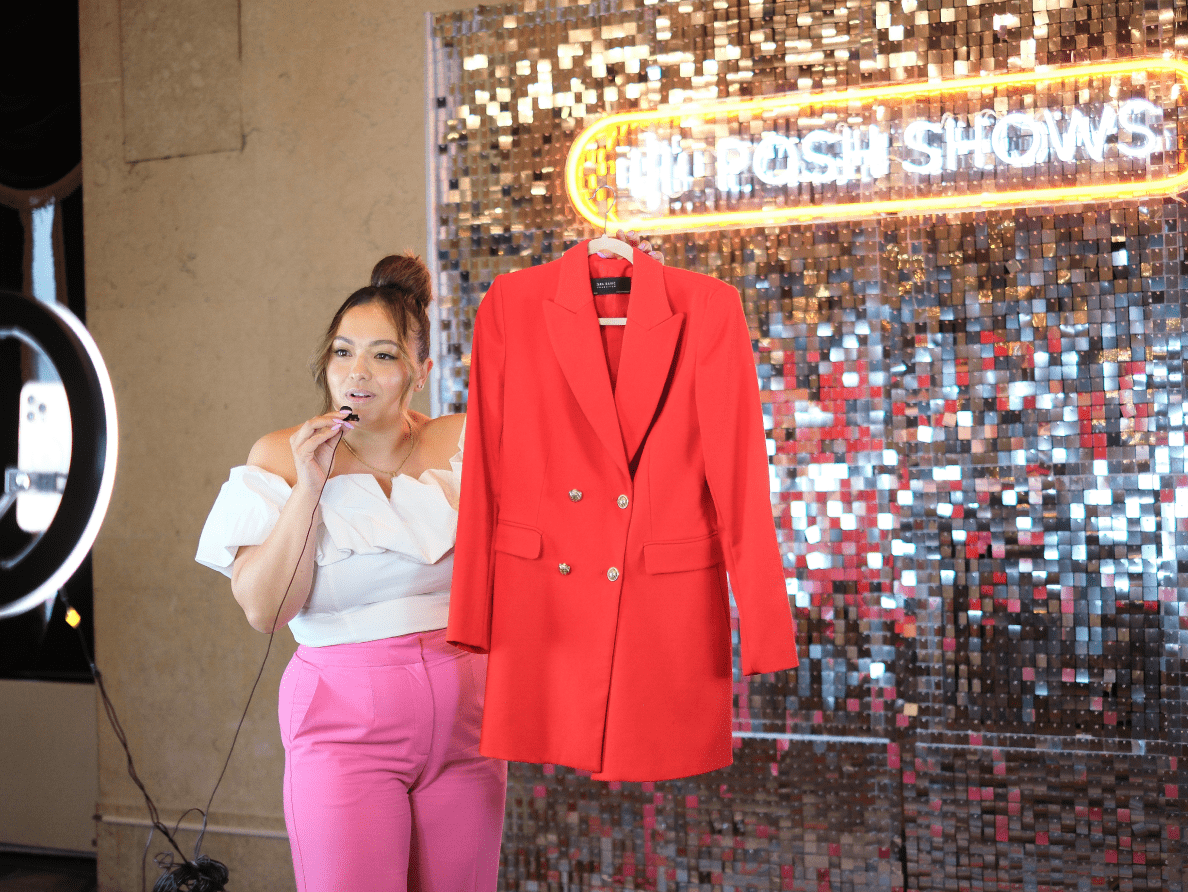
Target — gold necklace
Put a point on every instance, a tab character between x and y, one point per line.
412	435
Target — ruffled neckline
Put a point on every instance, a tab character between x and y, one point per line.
419	520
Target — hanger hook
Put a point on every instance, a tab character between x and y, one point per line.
611	199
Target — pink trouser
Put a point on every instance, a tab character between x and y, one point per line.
385	789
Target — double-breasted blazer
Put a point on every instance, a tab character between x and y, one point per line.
598	524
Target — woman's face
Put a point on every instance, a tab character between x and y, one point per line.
365	371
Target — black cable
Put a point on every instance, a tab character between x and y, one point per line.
114	720
199	873
202	874
268	648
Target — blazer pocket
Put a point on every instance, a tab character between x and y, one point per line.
684	554
520	541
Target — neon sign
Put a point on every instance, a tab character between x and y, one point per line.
1077	134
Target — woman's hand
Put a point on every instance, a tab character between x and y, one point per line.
635	240
313	448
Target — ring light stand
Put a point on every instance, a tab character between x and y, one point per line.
35	574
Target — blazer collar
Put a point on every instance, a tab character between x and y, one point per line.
621	419
649	303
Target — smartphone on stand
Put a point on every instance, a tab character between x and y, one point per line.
43	445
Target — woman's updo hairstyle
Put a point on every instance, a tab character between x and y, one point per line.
403	286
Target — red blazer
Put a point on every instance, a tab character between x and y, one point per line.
600	593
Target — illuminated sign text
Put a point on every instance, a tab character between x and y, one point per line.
1009	140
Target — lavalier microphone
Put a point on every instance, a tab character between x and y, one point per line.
352	416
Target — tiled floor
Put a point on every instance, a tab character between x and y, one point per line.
46	873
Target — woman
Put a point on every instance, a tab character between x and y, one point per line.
384	786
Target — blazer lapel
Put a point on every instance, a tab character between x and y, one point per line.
649	345
572	324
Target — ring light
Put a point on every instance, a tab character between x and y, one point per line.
44	566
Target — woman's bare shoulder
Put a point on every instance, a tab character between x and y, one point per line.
272	452
443	433
444	425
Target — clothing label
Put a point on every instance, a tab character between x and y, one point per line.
620	285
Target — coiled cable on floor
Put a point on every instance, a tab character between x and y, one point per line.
199	875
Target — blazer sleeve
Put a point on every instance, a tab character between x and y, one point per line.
469	625
731	424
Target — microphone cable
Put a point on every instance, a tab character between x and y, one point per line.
198	873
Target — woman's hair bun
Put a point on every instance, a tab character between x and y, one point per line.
406	272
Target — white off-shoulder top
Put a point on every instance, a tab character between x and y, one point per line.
383	565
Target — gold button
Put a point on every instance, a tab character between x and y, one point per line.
564	568
612	574
575	495
624	501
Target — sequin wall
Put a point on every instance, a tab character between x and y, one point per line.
977	464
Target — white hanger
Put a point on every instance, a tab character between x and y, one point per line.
605	244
